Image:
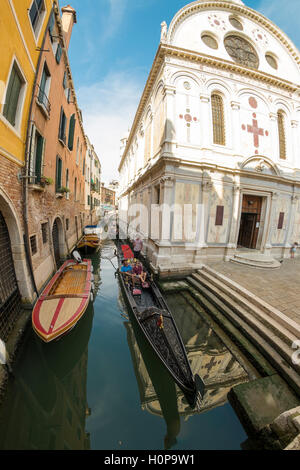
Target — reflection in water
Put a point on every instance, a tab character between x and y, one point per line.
208	356
154	383
46	404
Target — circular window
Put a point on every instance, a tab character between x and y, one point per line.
241	51
272	61
236	23
209	41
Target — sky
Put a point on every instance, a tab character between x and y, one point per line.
112	49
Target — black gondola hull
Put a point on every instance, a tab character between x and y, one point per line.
164	338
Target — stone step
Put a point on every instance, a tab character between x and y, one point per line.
276	328
271	311
285	350
256	262
267	350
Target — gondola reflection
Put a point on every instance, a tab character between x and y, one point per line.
209	357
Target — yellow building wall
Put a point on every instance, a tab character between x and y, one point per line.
17	41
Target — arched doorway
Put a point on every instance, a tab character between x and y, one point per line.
10	298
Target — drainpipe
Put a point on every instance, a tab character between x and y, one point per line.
25	177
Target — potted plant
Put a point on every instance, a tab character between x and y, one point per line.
63	190
46	181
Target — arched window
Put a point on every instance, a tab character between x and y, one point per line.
281	135
217	108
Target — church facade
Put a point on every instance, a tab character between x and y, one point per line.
212	163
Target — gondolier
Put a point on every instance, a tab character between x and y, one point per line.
137	247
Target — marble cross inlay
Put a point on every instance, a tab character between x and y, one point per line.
256	131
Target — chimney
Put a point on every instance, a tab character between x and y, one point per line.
68	19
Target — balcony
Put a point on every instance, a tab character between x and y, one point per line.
43	101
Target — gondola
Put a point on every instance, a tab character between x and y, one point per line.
156	322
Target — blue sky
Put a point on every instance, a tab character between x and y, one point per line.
111	52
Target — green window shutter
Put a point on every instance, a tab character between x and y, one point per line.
12	96
39	158
58	172
65	80
51	23
71	132
43	86
58	53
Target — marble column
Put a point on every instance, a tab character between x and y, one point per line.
294	205
234	224
272	223
205	111
169	145
236	135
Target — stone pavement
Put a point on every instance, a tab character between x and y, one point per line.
278	287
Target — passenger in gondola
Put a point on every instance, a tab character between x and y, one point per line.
126	269
138	270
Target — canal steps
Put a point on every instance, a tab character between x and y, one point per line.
273	336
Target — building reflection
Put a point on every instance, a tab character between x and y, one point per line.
209	358
46	402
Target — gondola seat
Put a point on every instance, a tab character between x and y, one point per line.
137	293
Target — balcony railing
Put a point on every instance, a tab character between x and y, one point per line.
43	99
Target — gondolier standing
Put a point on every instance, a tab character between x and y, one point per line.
137	247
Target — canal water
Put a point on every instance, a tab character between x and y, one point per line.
101	387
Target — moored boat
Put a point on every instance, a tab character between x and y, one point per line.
63	301
156	322
90	240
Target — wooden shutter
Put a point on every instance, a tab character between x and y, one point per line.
39	158
58	172
280	221
51	23
58	53
62	126
71	132
12	96
219	215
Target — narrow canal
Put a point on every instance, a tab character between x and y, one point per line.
101	387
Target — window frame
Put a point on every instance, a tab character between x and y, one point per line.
36	31
218	129
21	100
282	140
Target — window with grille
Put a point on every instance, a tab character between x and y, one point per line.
281	135
218	119
33	244
11	110
45	232
44	88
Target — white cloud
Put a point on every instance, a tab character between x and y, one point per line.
109	107
117	9
285	15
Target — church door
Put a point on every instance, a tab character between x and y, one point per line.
250	221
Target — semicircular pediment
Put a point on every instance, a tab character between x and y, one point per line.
260	164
